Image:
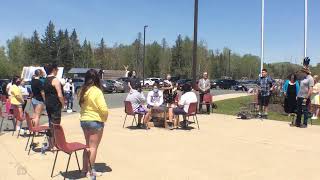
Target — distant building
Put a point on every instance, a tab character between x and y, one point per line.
107	74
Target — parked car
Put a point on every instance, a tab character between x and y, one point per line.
224	84
107	86
3	82
150	81
118	85
181	82
78	83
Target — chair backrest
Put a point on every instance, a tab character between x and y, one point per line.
29	121
59	137
128	108
192	108
207	98
8	106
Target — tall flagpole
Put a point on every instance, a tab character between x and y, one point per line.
305	27
262	36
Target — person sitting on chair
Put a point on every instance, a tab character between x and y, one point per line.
154	101
186	99
137	99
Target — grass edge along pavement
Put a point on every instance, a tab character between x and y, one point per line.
232	107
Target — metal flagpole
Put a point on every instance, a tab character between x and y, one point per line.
305	27
262	36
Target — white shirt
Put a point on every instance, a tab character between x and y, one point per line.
9	88
68	87
186	99
24	92
154	99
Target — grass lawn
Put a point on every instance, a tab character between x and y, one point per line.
232	107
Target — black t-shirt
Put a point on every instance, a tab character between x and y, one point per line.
134	82
37	87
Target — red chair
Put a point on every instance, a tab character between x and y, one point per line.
33	130
68	148
192	111
207	100
129	112
8	115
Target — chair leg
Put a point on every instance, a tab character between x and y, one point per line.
54	163
134	120
197	122
77	161
14	126
125	119
68	164
28	141
1	123
31	142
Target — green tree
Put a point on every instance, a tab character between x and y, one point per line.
49	47
76	48
153	60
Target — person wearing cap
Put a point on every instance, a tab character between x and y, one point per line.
305	92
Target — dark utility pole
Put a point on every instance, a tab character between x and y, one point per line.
144	52
229	63
195	44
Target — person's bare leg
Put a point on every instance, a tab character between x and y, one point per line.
147	118
37	114
170	114
94	141
85	162
19	116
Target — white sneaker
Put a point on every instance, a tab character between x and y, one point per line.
22	131
314	118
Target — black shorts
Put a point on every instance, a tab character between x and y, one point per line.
54	117
263	100
179	111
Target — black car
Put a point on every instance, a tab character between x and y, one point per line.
182	82
224	84
3	83
108	87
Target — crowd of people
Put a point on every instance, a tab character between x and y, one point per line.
165	98
301	92
51	94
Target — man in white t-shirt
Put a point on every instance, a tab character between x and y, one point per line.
186	99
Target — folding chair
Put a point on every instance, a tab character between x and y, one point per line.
33	130
129	112
8	116
192	111
207	100
68	148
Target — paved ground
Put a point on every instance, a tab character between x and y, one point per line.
225	148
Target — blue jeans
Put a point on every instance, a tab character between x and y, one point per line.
69	98
302	109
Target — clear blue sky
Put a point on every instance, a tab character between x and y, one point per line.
222	23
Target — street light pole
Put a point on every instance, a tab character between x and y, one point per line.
305	27
229	63
262	36
195	44
144	52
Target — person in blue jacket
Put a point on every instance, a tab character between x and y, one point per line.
291	88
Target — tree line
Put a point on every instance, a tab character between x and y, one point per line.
65	49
